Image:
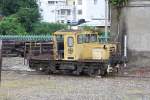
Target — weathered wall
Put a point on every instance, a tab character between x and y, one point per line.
138	25
135	22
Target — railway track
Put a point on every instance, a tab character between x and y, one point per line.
43	73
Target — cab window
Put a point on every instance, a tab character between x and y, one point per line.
87	38
80	39
70	41
93	38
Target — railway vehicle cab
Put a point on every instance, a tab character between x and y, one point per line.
81	45
77	52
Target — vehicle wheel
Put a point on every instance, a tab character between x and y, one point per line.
48	72
93	72
76	73
103	72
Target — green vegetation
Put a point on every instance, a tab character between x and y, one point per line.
46	28
11	26
90	28
118	3
9	7
27	17
23	17
102	36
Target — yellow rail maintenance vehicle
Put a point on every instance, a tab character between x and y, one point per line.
76	51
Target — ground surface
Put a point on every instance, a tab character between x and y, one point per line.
22	85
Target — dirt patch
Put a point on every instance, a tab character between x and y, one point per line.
15	63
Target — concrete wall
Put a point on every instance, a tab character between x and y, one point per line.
138	26
135	22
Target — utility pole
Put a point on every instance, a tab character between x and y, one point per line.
106	20
74	12
0	61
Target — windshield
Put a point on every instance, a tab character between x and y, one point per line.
87	38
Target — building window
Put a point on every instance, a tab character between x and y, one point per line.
95	2
62	21
52	11
74	3
68	12
63	11
41	10
39	3
51	2
79	12
58	12
79	2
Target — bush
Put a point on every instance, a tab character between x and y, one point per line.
46	28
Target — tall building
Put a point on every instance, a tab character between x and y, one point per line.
72	10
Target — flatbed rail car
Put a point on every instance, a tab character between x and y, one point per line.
78	52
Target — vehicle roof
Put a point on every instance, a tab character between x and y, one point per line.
69	30
63	32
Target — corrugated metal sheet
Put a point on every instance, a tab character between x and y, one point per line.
26	37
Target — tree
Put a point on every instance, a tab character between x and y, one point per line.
116	6
26	10
28	13
11	26
27	17
47	28
8	7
